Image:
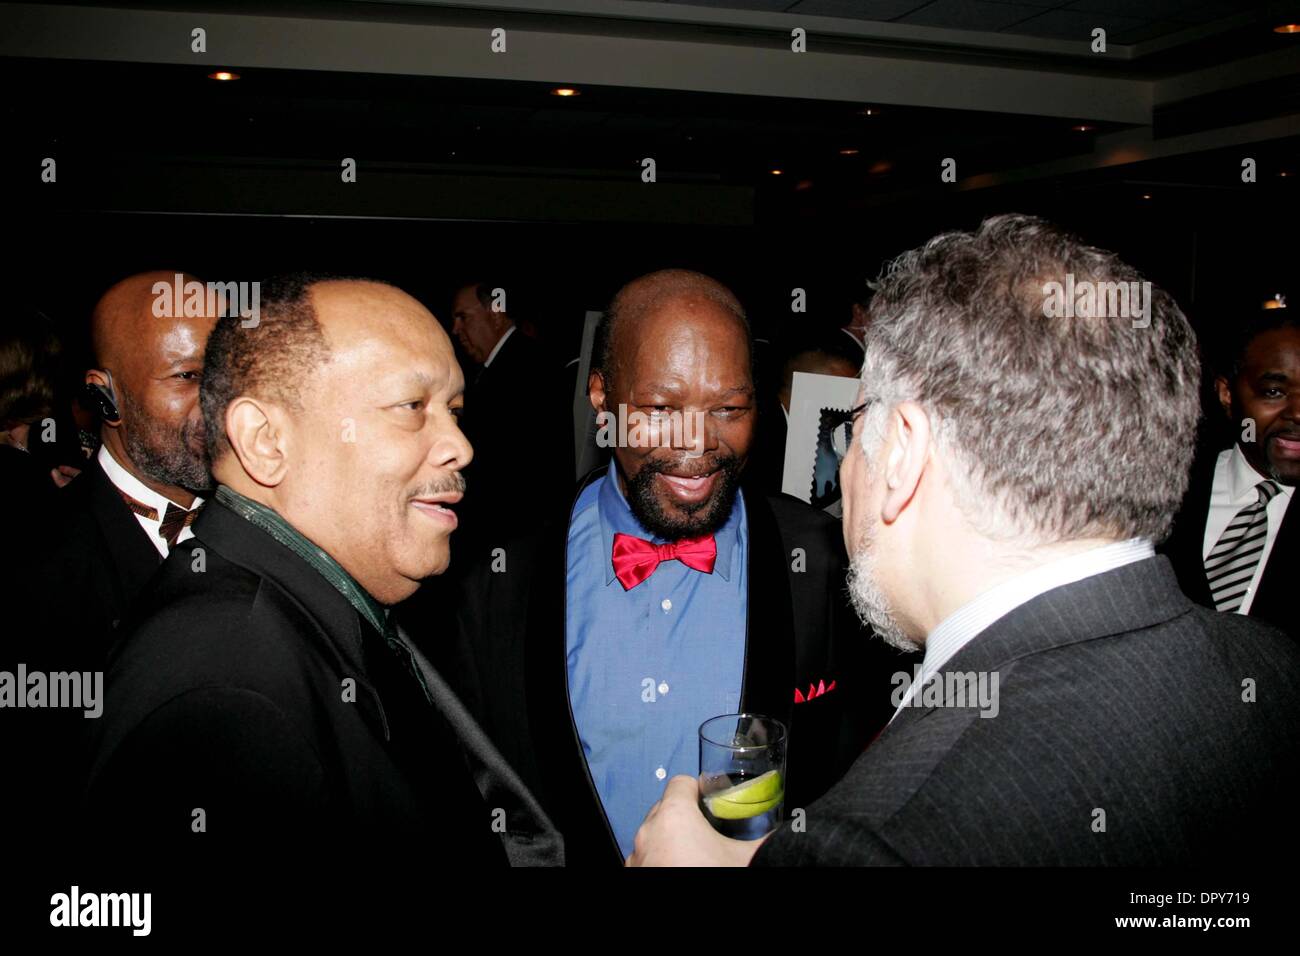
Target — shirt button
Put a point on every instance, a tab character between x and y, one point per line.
663	688
666	604
661	773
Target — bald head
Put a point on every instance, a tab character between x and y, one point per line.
149	358
676	343
653	293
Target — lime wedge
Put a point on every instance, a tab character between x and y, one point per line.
747	799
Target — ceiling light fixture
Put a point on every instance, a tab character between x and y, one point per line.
1287	28
223	75
565	91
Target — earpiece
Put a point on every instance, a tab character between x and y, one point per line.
103	400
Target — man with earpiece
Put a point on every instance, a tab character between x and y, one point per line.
140	493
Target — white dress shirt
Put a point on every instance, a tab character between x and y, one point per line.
497	348
972	618
133	486
1235	481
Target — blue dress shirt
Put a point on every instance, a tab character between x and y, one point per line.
648	666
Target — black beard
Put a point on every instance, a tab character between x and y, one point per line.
702	518
164	453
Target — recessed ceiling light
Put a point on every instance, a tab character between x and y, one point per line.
1083	128
776	172
223	75
1284	173
1146	195
869	111
565	91
1287	28
848	151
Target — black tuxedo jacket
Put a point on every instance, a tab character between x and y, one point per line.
89	569
800	632
511	449
1274	601
249	687
1123	735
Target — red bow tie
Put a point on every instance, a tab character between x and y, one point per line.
635	559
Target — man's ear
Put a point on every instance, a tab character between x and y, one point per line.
258	436
1224	391
596	391
908	439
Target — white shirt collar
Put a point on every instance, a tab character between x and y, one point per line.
497	348
1243	479
968	621
133	486
126	482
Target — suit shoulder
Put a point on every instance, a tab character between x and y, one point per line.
215	625
802	526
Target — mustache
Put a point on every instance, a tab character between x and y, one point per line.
689	467
454	483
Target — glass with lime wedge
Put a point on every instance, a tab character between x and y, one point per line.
742	774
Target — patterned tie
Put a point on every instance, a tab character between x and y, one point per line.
1230	566
635	559
174	521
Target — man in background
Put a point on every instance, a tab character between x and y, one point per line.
1236	540
513	375
137	498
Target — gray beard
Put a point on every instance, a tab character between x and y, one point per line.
869	600
163	453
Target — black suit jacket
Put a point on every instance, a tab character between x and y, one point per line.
800	632
249	687
1117	696
89	569
1274	601
518	460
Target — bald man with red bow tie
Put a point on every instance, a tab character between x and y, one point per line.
664	594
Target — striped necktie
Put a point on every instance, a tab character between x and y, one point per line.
176	520
1230	566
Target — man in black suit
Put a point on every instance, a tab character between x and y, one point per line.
663	595
1236	540
1008	472
107	532
117	520
263	694
513	372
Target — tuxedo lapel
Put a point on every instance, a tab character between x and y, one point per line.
1186	542
769	681
133	558
1273	601
571	794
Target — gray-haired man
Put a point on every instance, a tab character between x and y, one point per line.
1008	475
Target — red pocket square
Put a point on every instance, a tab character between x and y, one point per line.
814	690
